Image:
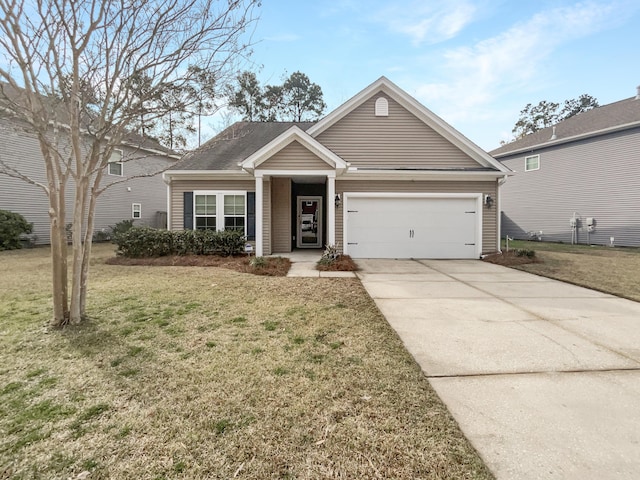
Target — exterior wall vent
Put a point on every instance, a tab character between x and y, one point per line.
382	107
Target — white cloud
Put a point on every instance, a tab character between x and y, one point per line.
428	22
475	75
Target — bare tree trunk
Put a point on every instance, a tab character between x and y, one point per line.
88	242
79	210
58	260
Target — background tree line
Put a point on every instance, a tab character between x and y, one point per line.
545	114
297	99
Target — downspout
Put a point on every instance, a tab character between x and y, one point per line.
499	212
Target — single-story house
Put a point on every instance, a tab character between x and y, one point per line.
577	182
134	194
379	177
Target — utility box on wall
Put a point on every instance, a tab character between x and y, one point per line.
591	224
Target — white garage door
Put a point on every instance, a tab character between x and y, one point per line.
412	226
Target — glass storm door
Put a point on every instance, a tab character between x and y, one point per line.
309	234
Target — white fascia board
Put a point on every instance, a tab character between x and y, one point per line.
294	134
170	175
295	173
386	86
420	175
574	138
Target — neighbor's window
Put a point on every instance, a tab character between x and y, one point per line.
220	210
115	163
136	210
532	163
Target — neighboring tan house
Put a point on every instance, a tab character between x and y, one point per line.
577	181
379	177
134	196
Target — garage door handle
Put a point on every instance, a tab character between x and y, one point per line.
469	243
470	211
352	211
352	243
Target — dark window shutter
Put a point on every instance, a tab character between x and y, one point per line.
188	211
251	215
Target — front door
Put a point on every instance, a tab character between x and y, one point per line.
309	224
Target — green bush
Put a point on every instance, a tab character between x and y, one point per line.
12	225
141	242
121	227
526	253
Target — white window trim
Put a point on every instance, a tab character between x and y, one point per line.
133	210
525	163
220	206
119	163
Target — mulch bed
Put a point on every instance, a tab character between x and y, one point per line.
275	266
510	258
344	263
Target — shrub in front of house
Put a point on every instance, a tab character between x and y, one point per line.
12	226
142	242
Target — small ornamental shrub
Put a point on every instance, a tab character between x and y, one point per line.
12	225
144	242
121	227
526	253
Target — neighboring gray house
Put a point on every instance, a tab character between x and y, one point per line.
585	168
143	199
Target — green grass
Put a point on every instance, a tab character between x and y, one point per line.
176	376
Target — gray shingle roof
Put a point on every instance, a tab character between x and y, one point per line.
234	145
591	123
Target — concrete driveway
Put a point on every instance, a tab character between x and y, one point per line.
542	376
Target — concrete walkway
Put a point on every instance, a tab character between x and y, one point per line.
303	264
542	376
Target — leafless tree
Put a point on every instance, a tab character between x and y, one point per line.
70	70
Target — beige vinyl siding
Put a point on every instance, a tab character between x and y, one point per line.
178	187
281	208
489	215
595	178
399	140
266	217
294	157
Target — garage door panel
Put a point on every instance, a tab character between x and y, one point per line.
414	227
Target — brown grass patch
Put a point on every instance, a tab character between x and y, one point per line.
610	270
344	263
207	373
510	259
273	266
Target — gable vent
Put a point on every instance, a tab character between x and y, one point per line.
382	107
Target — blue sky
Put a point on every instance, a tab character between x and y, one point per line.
475	63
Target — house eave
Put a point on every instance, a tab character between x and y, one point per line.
171	175
574	138
422	175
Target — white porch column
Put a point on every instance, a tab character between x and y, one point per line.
259	215
331	209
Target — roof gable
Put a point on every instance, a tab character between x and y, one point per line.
294	134
431	120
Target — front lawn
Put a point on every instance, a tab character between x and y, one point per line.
203	372
611	270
